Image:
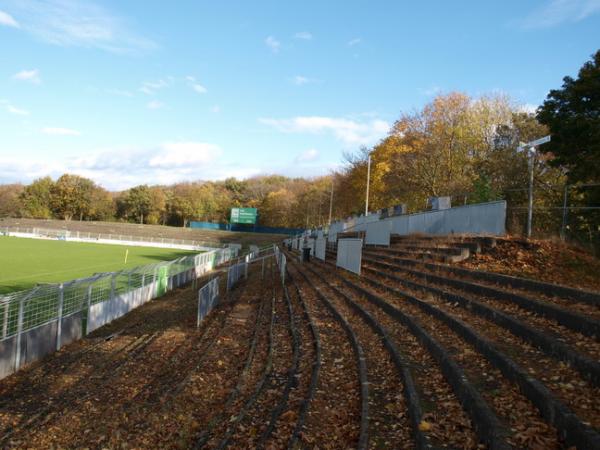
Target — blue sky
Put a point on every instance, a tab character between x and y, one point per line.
159	92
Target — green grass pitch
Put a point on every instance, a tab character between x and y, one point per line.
25	262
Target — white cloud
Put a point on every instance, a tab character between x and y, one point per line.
32	76
13	109
167	163
57	131
308	155
8	20
304	35
353	42
182	154
216	109
346	130
273	44
199	88
300	80
154	104
556	12
150	87
80	23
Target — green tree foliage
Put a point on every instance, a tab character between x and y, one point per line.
36	199
138	202
71	196
572	114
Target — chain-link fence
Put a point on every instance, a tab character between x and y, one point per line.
39	320
108	238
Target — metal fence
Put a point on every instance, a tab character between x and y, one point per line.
38	321
109	238
208	297
235	272
281	261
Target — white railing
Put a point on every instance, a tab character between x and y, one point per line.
109	238
38	321
208	297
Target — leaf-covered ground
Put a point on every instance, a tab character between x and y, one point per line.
543	260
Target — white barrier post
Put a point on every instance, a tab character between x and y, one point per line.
20	332
61	299
113	285
89	306
5	323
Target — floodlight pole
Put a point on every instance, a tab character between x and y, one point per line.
530	148
368	182
531	155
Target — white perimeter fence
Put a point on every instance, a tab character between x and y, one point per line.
235	272
281	261
240	269
106	238
208	297
38	321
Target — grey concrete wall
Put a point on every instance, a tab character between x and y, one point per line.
482	218
38	342
361	223
349	254
8	352
320	245
334	229
378	233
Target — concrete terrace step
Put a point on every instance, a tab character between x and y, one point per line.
482	241
447	255
455	247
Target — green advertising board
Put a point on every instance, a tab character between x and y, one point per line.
243	215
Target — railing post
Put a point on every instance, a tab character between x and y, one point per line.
113	286
89	307
20	331
5	323
153	292
61	299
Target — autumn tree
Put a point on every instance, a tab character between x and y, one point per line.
71	196
35	199
136	203
10	205
102	205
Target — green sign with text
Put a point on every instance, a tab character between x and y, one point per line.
244	215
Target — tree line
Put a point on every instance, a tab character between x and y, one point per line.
456	145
